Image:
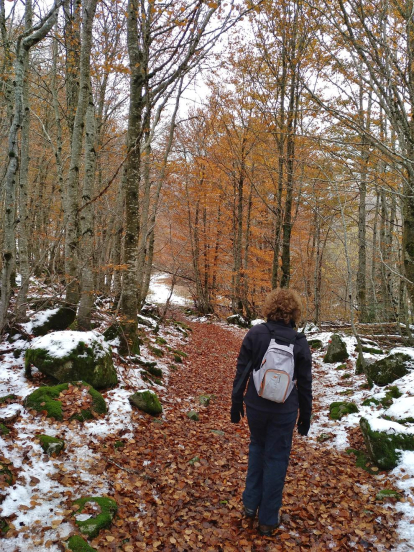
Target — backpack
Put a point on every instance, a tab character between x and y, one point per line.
274	379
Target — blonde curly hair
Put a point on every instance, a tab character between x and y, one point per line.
283	304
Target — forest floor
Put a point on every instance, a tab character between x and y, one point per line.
178	482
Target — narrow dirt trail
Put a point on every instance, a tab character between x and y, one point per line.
178	483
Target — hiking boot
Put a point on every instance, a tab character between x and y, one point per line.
267	530
249	513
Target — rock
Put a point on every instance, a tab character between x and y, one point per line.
372	350
4	526
10	412
6	476
53	319
238	320
193	415
105	509
7	399
78	544
385	440
387	493
147	401
336	350
149	309
49	400
4	430
73	356
51	445
204	400
217	432
392	367
401	411
315	343
112	332
338	410
148	322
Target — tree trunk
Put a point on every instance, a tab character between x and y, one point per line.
129	300
71	197
24	268
24	43
87	223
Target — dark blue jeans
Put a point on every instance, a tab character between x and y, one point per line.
269	451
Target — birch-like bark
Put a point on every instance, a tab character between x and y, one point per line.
86	221
72	189
129	300
25	41
24	268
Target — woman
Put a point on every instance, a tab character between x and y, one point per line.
271	424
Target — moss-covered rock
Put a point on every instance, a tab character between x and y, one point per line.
385	441
105	509
46	399
238	320
112	332
402	411
388	493
341	408
160	341
78	544
337	351
387	370
147	401
73	356
362	461
177	358
7	399
4	430
315	343
193	415
156	351
372	350
51	445
371	401
55	319
205	399
4	526
341	367
6	476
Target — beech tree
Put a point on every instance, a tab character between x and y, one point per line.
25	41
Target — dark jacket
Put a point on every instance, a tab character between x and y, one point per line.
253	348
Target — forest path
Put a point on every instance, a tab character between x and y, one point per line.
181	481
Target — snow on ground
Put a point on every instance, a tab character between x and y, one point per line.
159	292
330	385
43	483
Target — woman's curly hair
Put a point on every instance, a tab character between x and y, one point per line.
283	304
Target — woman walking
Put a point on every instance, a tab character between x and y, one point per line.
272	423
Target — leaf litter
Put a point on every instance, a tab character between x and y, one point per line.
178	482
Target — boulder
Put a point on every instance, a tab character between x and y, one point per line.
52	319
402	410
78	544
385	440
315	343
392	367
103	508
51	445
147	401
238	320
53	402
337	351
338	410
73	356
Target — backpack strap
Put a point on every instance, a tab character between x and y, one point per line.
243	378
273	334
